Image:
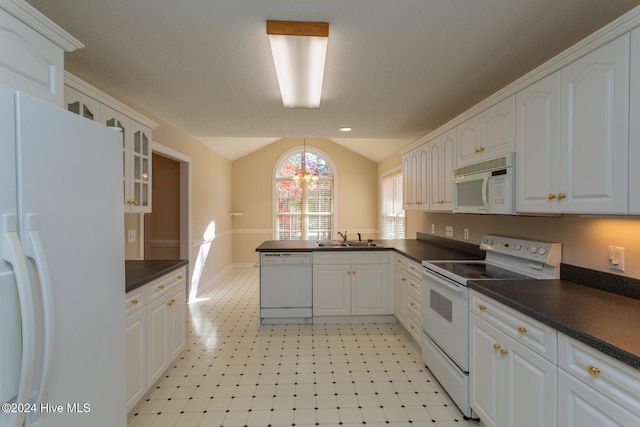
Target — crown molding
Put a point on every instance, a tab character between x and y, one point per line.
609	32
27	14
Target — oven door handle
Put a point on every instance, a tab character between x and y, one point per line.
445	282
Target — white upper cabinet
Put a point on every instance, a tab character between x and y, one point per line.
136	191
88	102
81	104
595	131
414	178
488	134
32	56
537	144
441	163
634	125
583	169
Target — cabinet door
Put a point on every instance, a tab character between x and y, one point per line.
634	125
406	181
369	290
331	290
447	165
81	104
529	387
177	321
469	135
595	126
136	345
157	339
435	174
112	118
485	371
140	156
423	177
414	178
538	145
498	129
400	296
580	405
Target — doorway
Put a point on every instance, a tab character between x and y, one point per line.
162	225
166	228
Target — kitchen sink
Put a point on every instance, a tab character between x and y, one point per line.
347	244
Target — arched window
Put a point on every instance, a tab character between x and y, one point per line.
304	207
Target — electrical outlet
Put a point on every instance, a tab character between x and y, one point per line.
131	236
616	258
466	234
433	229
448	231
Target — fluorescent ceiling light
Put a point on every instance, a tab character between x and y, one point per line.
299	50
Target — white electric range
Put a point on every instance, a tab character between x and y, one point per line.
445	303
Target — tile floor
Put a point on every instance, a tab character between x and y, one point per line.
235	372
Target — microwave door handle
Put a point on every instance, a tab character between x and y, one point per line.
485	196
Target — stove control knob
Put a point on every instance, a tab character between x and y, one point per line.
542	251
488	242
517	247
532	249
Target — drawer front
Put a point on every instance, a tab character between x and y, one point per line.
374	256
413	305
612	378
162	285
408	265
414	286
135	300
535	335
413	326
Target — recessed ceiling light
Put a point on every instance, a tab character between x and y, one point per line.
346	129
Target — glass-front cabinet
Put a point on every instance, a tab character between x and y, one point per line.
136	143
136	160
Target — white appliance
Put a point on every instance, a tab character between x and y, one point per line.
486	187
62	324
286	290
445	303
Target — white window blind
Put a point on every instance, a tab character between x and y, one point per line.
392	212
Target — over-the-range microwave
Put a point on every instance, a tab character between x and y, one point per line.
486	187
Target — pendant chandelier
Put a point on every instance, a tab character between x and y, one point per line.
303	174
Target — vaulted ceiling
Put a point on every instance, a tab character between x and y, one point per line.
395	70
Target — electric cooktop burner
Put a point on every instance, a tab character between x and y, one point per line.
479	270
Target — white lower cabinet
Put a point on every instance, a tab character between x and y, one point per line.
512	383
156	331
524	373
353	283
136	345
407	284
595	389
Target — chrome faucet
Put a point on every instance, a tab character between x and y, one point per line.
344	236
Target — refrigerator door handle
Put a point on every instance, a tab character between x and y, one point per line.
12	253
34	249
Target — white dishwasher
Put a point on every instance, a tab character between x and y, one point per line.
286	287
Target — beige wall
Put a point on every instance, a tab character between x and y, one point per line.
356	188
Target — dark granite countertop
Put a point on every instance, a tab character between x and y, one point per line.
139	272
425	247
604	320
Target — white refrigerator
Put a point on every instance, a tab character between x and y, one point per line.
62	321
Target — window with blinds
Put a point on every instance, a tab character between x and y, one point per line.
392	213
304	211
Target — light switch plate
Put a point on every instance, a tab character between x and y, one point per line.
131	236
448	231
